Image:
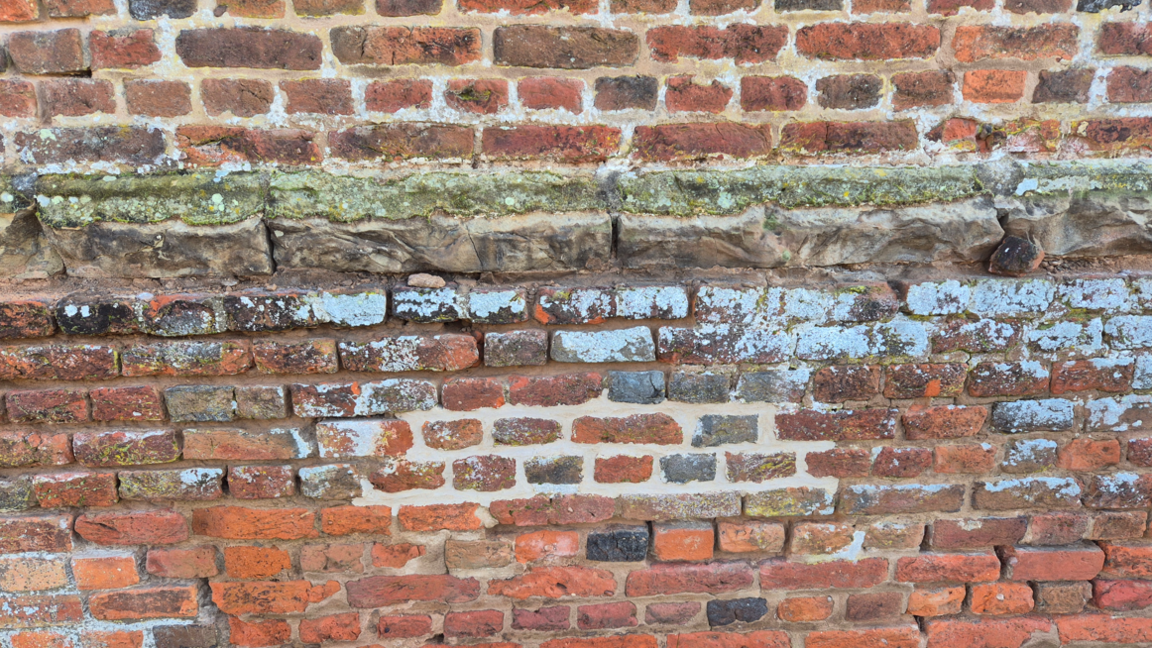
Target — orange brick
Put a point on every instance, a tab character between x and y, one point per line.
807	608
540	545
255	562
101	573
996	599
683	541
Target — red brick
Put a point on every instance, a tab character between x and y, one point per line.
286	597
142	403
478	96
921	89
813	138
158	98
197	562
151	603
994	86
258	633
105	573
551	391
249	47
1118	525
952	7
556	582
930	602
254	8
484	473
1053	41
437	517
152	527
675	578
1113	136
621	641
903	637
1008	633
571	144
466	394
820	538
241	97
545	619
380	591
543	93
780	574
805	609
261	482
75	489
215	145
996	599
478	623
605	616
943	421
58	362
334	558
17	98
336	627
637	428
47	406
453	435
867	41
240	523
1125	85
671	613
396	95
395	556
18	11
1121	595
623	469
839	462
399	141
76	97
740	42
873	607
684	95
30	611
1088	375
542	545
1125	39
902	462
346	520
47	52
1057	528
34	449
748	536
380	45
976	458
128	448
404	626
939	567
839	383
1127	560
318	96
775	94
255	562
978	533
844	425
690	141
683	541
1089	454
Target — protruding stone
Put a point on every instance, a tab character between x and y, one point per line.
1016	257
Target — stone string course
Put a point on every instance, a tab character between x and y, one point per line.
708	464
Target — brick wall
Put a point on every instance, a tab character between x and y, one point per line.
348	82
711	463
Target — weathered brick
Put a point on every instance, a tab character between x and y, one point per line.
75	489
405	45
378	591
241	97
249	47
939	567
676	578
540	46
240	523
47	52
845	425
150	527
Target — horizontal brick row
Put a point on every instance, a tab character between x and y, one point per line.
177	315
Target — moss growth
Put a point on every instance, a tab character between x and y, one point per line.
345	199
685	193
197	199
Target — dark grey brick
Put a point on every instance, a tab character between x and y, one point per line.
644	387
554	470
618	544
717	429
699	388
681	469
745	610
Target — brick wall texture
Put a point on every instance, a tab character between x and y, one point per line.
708	463
580	81
712	356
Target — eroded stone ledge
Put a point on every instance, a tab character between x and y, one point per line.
250	224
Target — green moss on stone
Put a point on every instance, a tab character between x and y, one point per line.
686	193
344	198
197	199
